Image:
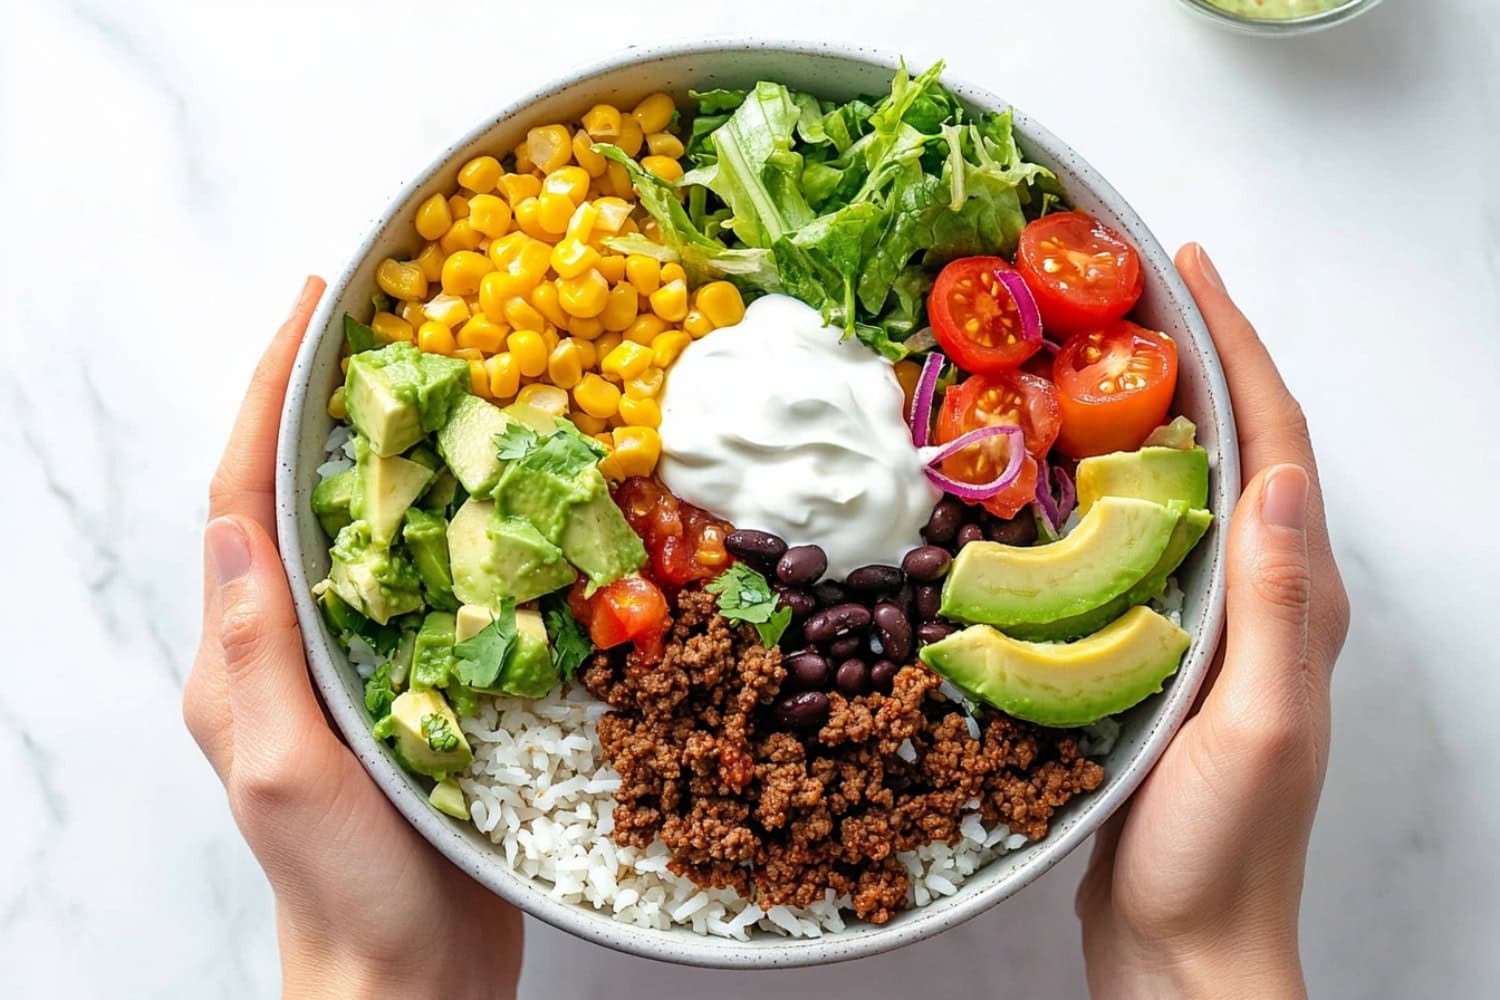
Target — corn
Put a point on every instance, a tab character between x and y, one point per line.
547	398
390	328
612	266
636	450
435	338
522	315
696	324
602	122
528	216
646	385
460	236
337	410
640	412
620	310
549	147
490	215
344	364
664	144
500	287
603	438
672	271
543	299
519	187
596	397
482	333
670	301
479	379
643	272
458	207
581	222
606	342
430	260
908	373
720	301
584	295
610	214
664	167
565	364
585	328
586	423
570	182
522	154
655	111
401	280
588	357
415	314
632	136
550	338
433	217
584	155
468	354
553	212
645	329
620	184
463	270
479	174
666	348
626	361
570	258
505	375
449	310
530	352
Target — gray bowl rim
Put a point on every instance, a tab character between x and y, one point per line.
683	946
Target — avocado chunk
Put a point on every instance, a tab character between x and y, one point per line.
471	620
432	656
440	495
428	738
598	540
544	498
467	442
383	489
495	557
446	797
1063	684
331	499
1117	543
346	623
528	671
397	394
426	537
375	580
1156	474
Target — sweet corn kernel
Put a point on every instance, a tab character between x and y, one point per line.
518	187
720	301
479	379
489	214
603	438
670	301
415	314
632	136
588	357
636	450
586	328
643	272
528	217
610	214
549	147
667	346
500	287
433	217
505	375
626	361
344	364
390	328
553	212
672	271
522	315
647	384
482	333
664	167
570	257
565	364
908	373
612	266
640	412
430	260
620	311
584	155
696	324
606	342
581	222
527	347
664	144
620	184
654	113
544	299
602	121
338	411
596	397
468	354
449	310
458	206
480	174
550	337
584	295
460	236
435	338
401	279
587	424
645	329
522	154
463	271
547	398
570	182
651	229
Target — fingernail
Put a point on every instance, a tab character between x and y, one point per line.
1207	267
1285	502
228	550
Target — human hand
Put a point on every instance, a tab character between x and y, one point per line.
1194	888
364	906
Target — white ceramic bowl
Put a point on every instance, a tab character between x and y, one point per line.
830	71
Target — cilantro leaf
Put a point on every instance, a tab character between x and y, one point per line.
515	442
564	453
481	656
570	643
359	335
438	733
380	692
745	596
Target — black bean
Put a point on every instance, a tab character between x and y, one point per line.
807	671
874	579
882	673
845	646
852	679
927	564
757	546
894	629
800	601
841	619
905	599
928	598
805	711
933	631
942	526
1018	530
829	592
792	638
801	565
970	533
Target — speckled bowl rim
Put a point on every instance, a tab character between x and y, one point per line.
328	664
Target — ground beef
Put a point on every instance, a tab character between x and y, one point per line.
781	818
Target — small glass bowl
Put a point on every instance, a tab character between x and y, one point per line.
1268	26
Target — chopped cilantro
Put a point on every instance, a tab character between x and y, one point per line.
745	596
439	735
570	643
565	453
380	692
359	335
514	442
481	656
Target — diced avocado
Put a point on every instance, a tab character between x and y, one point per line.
1063	684
1156	474
383	490
1112	548
426	537
440	495
432	658
397	394
598	540
425	456
467	442
331	499
471	620
496	557
1180	433
543	498
539	420
345	622
528	671
446	797
377	581
428	738
401	660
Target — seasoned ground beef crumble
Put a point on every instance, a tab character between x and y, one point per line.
781	818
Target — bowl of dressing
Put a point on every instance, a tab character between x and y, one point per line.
1278	17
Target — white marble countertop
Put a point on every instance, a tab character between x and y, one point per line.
169	171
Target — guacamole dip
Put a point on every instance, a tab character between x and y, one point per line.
1277	9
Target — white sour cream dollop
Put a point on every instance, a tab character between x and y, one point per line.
781	425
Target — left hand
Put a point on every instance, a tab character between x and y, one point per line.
364	906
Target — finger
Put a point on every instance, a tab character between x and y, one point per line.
1098	878
246	479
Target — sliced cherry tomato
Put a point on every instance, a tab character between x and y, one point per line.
1116	385
1028	401
631	609
1082	273
975	319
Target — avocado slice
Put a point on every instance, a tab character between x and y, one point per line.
467	443
599	541
440	495
1157	474
432	656
426	537
428	738
446	797
397	394
544	498
1117	543
375	580
1063	684
528	671
495	557
330	501
401	660
383	489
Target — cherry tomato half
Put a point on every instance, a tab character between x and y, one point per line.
631	609
1115	385
1082	273
975	319
1029	401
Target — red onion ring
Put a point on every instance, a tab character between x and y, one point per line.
1031	315
1055	510
920	417
977	491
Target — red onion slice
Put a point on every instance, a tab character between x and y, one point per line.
1031	316
977	491
1067	494
920	417
1055	510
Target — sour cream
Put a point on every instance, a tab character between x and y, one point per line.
781	425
